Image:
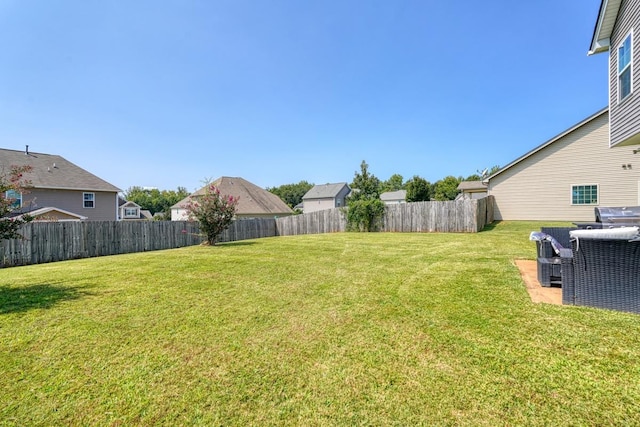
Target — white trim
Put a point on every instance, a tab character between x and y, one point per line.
45	210
571	186
629	67
93	200
607	15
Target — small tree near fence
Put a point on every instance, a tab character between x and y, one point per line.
214	211
365	210
12	186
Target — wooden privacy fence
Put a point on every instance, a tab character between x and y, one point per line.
59	241
460	216
254	228
325	221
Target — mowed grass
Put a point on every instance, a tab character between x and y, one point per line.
334	329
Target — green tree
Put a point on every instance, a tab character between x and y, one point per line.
446	188
12	184
394	183
291	194
418	189
214	211
156	201
365	210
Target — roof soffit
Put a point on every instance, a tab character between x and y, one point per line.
600	42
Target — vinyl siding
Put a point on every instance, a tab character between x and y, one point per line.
625	116
69	200
313	205
539	186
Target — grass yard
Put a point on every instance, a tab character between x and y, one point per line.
334	329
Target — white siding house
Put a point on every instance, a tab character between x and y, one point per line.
326	196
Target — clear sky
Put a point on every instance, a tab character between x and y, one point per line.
165	93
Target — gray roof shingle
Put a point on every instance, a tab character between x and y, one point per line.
52	171
253	200
324	191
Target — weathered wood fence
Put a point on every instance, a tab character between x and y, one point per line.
59	241
460	216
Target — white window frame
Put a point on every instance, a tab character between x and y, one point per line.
92	200
628	67
13	194
133	212
597	202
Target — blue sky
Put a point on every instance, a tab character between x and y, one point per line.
171	93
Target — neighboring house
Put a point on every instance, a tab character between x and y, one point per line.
131	211
50	214
566	177
325	196
472	190
617	30
253	201
394	197
66	190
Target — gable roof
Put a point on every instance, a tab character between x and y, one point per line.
59	214
393	195
325	191
252	200
549	142
600	42
53	172
472	185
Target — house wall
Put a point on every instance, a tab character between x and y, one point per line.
539	186
341	198
473	195
314	205
625	116
106	203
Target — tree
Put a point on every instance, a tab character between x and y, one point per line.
156	201
480	175
214	212
368	185
394	183
291	194
365	210
446	188
418	189
12	184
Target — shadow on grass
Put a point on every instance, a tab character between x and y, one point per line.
236	243
15	300
492	226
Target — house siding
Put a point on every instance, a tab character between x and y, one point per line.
539	186
106	205
320	204
313	205
625	116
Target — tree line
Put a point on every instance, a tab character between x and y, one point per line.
418	188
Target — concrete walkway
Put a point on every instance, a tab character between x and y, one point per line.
538	293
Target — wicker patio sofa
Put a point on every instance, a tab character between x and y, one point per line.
602	272
549	262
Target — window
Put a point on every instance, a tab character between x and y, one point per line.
625	62
131	212
16	196
89	200
584	195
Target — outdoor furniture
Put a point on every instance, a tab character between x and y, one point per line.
548	257
602	269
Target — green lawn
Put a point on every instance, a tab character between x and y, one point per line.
333	329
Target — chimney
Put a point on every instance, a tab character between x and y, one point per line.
26	150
